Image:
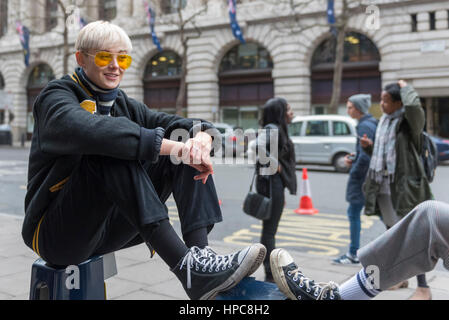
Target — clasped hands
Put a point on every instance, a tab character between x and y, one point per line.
195	152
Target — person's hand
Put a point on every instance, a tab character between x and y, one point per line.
196	153
348	161
402	83
365	141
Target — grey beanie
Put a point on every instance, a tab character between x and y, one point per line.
361	101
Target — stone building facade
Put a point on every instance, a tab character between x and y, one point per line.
228	81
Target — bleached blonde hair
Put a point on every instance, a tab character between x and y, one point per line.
102	35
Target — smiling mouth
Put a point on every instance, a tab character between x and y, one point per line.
111	75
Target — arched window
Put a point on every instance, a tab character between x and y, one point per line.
246	57
245	85
37	80
107	9
161	82
360	70
164	64
3	17
172	6
51	14
40	76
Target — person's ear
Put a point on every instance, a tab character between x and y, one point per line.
80	59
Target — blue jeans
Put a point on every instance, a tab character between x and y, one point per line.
354	211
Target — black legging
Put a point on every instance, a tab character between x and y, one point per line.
270	226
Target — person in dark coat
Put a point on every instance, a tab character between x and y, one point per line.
281	171
102	166
396	181
357	108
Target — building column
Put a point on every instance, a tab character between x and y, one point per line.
442	22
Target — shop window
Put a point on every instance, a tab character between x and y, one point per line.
360	70
37	80
40	76
166	63
357	48
161	82
245	85
245	57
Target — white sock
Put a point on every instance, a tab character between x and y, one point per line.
358	287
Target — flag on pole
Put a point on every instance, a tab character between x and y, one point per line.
81	22
24	35
151	19
234	25
331	16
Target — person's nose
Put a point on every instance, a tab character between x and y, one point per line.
114	63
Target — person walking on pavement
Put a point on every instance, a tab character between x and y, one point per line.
357	108
101	169
396	182
277	114
412	246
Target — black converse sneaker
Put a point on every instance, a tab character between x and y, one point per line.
256	264
204	274
294	284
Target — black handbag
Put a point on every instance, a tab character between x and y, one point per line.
257	205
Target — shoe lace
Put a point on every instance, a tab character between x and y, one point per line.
330	287
320	289
204	259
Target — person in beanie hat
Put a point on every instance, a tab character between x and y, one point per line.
357	108
362	102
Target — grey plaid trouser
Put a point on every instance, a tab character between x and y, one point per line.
411	247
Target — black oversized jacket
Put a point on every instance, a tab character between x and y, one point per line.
67	127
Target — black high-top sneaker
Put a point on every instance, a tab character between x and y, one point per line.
204	274
294	284
254	267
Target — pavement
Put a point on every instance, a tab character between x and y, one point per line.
143	278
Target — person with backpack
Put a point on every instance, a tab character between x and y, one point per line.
396	181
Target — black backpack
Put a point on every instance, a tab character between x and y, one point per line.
429	156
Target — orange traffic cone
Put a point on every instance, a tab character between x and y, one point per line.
305	202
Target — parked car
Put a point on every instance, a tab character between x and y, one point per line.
443	148
321	139
234	142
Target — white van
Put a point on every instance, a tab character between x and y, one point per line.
323	139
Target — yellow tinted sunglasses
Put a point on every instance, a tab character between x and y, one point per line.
104	58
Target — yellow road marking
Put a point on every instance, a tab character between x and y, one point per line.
324	233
